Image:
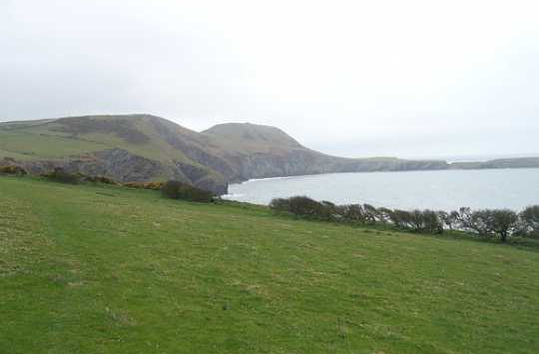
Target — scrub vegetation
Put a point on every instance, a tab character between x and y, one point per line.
486	223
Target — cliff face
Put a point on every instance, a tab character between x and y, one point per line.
256	151
136	148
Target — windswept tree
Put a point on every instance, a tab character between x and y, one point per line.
401	218
384	214
352	212
472	221
432	223
530	220
450	220
371	213
503	222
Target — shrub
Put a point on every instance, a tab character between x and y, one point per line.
145	185
280	205
99	179
530	221
417	221
502	222
432	223
384	214
471	221
449	219
351	213
401	218
12	170
180	190
62	176
304	206
329	207
370	212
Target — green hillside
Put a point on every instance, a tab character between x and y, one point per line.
104	269
70	136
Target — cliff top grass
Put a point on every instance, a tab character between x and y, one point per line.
107	269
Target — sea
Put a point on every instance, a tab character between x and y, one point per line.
437	190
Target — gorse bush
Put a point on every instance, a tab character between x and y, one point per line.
180	190
145	185
62	176
12	170
100	179
486	223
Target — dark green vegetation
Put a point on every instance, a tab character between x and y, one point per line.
62	176
95	268
143	148
484	223
184	191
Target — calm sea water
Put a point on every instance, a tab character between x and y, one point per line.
439	190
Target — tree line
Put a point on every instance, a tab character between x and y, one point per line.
500	223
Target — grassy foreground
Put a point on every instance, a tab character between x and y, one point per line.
86	269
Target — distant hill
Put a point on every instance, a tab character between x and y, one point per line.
141	147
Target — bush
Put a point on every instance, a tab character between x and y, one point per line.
384	214
487	222
281	205
370	212
351	213
62	176
502	222
432	223
306	207
180	190
99	179
145	185
401	218
12	170
449	219
530	221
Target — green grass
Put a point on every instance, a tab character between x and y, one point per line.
44	140
104	269
30	146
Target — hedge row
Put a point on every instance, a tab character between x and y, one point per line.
12	170
179	190
486	222
170	189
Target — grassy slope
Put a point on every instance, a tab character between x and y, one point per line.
27	145
87	269
42	142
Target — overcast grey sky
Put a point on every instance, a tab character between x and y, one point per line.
355	78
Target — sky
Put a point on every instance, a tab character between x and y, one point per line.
351	78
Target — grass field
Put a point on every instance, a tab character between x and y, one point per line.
104	269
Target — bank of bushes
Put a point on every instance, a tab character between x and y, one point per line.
170	189
500	223
145	185
12	170
62	176
180	190
58	174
